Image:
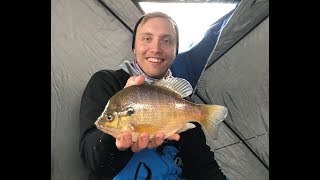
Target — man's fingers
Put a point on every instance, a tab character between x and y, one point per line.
142	142
135	80
139	80
174	137
157	140
124	142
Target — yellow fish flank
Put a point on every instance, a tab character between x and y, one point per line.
158	107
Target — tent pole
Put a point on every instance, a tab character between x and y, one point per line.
115	15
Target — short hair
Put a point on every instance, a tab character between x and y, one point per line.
148	16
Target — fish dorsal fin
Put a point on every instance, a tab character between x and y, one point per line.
178	85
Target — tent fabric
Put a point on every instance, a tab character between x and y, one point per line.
125	10
190	64
240	81
244	66
247	15
86	37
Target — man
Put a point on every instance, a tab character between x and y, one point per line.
155	45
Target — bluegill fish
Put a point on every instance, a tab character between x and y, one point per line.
158	107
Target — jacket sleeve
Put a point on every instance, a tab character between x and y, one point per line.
97	149
197	158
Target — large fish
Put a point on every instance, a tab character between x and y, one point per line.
158	107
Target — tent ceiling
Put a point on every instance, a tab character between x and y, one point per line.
136	2
188	1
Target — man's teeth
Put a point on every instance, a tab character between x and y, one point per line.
154	60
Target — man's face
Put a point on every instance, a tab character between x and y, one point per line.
155	46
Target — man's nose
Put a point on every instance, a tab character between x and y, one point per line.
156	46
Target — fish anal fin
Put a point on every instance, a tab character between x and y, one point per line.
187	127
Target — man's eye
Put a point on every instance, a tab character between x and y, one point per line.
166	41
146	39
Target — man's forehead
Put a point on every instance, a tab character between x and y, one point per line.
149	21
164	35
145	29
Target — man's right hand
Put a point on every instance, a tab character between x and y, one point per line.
125	141
135	80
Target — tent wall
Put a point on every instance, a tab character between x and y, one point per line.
85	38
247	15
240	81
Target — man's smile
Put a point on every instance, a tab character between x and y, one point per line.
155	60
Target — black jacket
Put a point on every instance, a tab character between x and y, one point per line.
99	152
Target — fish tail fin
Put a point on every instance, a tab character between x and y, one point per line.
215	115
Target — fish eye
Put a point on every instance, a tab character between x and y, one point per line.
109	117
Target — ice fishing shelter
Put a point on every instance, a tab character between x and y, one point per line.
230	66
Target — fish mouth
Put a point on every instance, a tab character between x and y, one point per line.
105	128
154	60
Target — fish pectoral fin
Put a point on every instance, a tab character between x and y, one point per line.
132	127
187	127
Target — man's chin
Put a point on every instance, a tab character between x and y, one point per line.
156	76
155	73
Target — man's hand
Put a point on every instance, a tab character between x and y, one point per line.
125	141
135	80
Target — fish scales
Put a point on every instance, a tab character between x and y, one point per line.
157	108
156	105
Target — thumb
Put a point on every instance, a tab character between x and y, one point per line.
135	80
139	79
